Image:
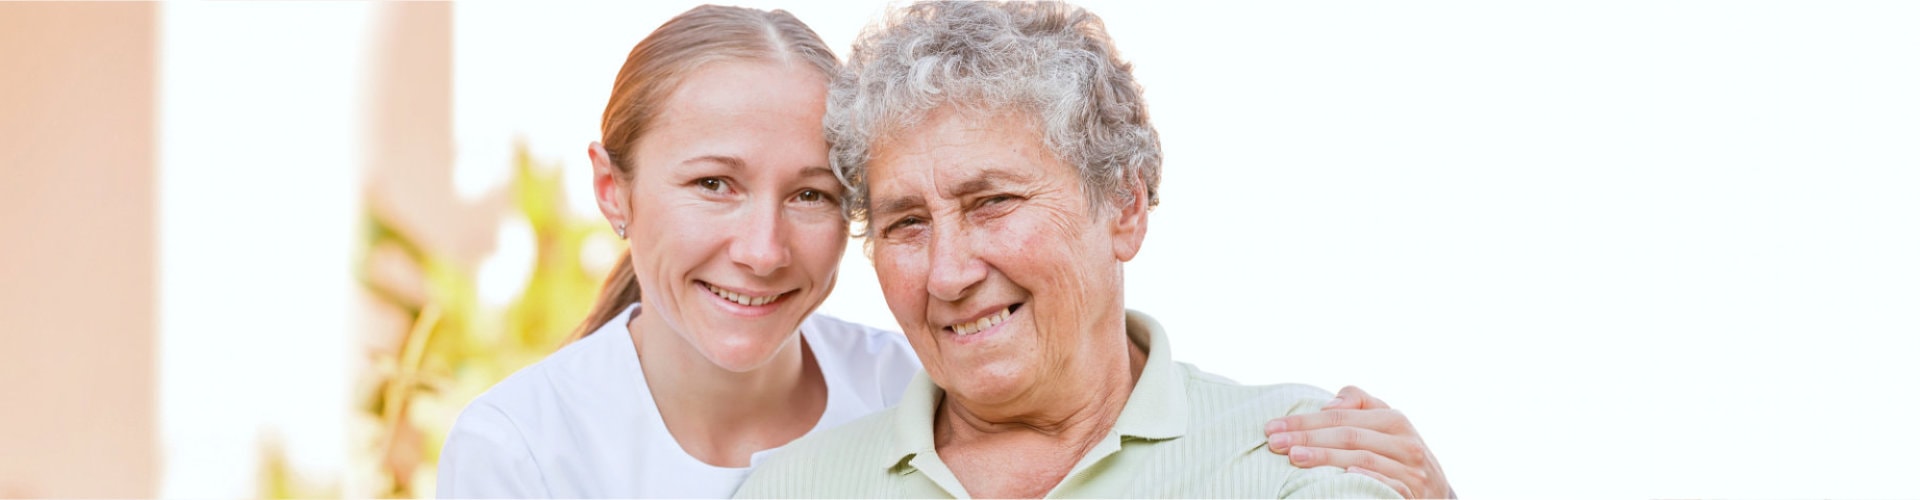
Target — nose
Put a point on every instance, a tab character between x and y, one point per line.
761	244
955	270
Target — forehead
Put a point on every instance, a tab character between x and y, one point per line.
952	147
732	88
753	110
745	99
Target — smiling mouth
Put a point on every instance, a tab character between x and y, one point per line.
982	324
741	298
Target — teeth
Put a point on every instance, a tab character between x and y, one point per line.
738	298
983	323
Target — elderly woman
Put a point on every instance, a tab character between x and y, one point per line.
1002	160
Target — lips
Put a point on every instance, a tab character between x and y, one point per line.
982	323
742	298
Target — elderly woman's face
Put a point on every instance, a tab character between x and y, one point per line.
990	256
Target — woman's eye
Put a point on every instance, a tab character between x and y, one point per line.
812	196
903	223
993	203
712	183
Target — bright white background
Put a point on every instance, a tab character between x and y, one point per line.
1617	249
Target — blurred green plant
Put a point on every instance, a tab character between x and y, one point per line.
279	479
455	346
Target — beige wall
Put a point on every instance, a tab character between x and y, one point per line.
409	130
77	278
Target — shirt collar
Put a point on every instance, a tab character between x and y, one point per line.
913	420
1157	408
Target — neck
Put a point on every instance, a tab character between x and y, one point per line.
1083	403
1025	448
720	416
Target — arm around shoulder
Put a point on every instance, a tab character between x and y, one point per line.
486	456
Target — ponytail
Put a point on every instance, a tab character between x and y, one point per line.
619	292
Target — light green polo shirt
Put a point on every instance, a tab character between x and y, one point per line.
1183	433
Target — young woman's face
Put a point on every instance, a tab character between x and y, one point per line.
734	217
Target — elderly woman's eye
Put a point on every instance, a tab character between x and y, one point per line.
903	223
994	203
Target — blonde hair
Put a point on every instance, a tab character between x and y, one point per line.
655	68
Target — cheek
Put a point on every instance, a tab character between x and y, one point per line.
662	214
1045	246
675	231
670	239
1048	255
820	246
902	277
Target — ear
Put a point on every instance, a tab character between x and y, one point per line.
1129	223
609	186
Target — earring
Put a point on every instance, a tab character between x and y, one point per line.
622	229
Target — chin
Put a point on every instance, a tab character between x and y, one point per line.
745	353
989	386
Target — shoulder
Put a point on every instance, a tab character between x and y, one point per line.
880	360
1210	394
1230	417
578	371
483	423
869	438
854	338
576	383
504	443
847	461
1230	412
488	455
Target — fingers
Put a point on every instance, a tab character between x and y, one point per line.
1360	432
1387	420
1399	448
1352	398
1307	456
1397	486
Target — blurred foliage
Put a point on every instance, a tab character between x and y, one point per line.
456	346
279	479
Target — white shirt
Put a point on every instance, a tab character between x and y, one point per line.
582	423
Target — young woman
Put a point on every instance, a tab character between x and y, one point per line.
703	353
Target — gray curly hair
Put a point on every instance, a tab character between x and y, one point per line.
1049	62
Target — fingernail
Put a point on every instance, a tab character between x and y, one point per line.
1280	441
1300	455
1276	425
1332	402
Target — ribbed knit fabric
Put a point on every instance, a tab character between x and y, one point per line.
1183	433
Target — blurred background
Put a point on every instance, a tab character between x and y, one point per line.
1620	249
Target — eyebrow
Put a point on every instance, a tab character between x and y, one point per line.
895	205
731	162
987	180
735	163
817	171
